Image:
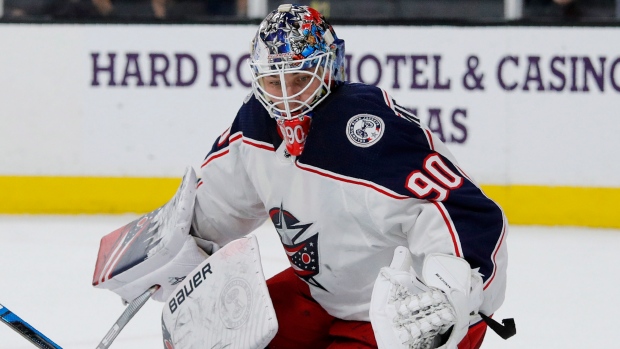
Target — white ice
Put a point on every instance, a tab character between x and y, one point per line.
562	285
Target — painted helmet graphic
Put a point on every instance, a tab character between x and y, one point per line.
296	59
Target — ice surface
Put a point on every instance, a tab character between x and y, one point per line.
562	284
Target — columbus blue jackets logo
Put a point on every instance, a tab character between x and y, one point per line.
364	130
302	252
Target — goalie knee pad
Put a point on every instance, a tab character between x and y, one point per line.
223	303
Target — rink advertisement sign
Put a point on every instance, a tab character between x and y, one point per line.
481	90
422	72
517	106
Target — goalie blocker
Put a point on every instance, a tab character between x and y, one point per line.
225	295
155	249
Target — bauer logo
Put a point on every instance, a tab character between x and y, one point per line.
364	130
186	289
235	303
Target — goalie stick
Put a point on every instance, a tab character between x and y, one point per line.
41	341
23	328
129	312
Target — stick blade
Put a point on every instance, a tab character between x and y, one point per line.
25	330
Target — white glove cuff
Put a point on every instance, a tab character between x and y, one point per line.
407	311
461	285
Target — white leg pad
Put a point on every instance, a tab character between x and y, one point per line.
223	303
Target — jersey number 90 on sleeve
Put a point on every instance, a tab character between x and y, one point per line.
435	182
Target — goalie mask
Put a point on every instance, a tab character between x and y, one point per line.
296	60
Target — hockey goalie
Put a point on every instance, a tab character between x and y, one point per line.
391	244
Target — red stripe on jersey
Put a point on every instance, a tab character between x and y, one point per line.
352	181
455	242
237	136
386	96
465	174
388	99
259	145
213	157
232	139
430	139
501	240
223	137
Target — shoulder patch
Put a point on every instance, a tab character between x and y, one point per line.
364	130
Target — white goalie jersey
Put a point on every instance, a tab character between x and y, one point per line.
370	178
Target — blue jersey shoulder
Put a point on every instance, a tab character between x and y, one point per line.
361	132
253	122
256	123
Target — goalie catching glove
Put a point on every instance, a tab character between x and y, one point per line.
434	311
155	249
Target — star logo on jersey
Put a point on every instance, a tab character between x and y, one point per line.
302	254
364	130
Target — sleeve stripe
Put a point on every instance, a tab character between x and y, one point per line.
387	99
398	110
457	245
464	174
223	137
405	114
391	104
214	156
257	144
233	138
429	136
455	240
497	248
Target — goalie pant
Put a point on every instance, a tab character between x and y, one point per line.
294	307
